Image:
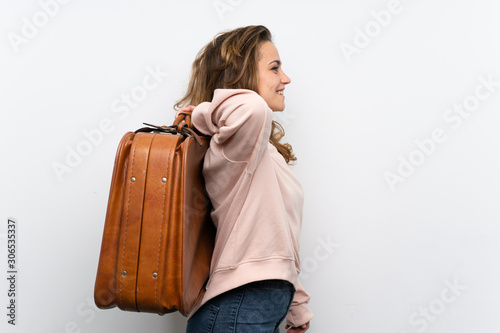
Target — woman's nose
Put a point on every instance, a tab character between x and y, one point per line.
285	79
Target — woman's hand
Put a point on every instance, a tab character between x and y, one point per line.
187	109
300	329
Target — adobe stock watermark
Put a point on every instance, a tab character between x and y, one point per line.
12	270
454	116
94	137
323	250
373	28
224	6
30	27
423	316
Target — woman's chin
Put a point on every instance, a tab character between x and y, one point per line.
277	107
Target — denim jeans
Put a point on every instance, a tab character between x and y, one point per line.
255	307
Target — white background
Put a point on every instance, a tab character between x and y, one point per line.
394	251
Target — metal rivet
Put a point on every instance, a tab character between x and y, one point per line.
132	179
155	275
124	273
164	179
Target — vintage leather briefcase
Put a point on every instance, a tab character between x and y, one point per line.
158	237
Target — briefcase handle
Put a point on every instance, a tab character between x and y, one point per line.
182	125
183	120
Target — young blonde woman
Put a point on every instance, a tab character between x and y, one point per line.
236	83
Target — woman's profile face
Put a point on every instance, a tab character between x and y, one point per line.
271	78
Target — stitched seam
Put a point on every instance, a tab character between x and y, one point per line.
229	268
288	310
162	219
235	323
213	317
126	224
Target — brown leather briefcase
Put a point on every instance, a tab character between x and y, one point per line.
158	237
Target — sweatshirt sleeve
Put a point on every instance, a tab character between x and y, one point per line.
299	313
240	124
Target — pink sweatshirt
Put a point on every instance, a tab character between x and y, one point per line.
257	200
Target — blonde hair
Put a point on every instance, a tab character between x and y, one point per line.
229	61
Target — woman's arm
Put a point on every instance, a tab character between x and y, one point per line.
239	122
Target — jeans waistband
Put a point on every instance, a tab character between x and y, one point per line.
279	284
